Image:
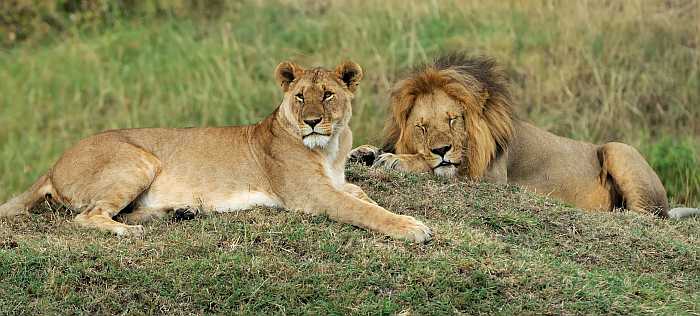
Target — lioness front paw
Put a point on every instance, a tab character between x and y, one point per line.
389	161
365	154
409	228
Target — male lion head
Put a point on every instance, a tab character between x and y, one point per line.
454	113
317	102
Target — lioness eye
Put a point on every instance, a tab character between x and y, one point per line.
328	95
300	97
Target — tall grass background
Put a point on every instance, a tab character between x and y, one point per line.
591	70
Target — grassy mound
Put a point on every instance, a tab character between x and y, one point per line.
497	249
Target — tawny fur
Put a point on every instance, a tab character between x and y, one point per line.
463	104
154	171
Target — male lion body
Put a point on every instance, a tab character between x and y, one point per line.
294	158
454	118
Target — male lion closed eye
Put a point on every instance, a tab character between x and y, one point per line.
294	158
454	118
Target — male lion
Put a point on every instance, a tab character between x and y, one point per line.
294	159
454	117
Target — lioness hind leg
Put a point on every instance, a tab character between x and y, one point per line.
110	203
100	217
101	182
142	215
640	188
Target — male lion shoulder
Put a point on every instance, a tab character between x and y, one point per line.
294	158
454	117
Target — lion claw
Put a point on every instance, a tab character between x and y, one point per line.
387	161
365	154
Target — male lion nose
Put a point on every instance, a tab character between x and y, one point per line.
313	122
441	151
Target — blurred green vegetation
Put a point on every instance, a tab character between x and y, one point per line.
677	164
596	71
22	20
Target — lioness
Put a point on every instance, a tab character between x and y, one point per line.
454	118
294	159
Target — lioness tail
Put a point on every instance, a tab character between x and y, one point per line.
26	200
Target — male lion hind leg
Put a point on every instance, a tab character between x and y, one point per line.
22	203
345	208
640	188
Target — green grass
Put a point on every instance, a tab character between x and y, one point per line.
497	249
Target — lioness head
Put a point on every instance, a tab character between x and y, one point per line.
317	102
454	113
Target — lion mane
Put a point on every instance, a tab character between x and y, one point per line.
489	120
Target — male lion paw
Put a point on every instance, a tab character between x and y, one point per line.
389	161
365	154
408	228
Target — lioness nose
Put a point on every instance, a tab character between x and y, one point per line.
441	151
313	122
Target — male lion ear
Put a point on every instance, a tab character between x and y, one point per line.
285	73
350	74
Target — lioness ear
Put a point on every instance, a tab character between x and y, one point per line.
350	74
285	73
